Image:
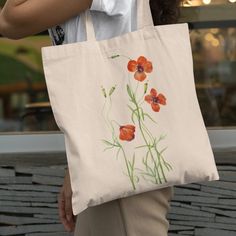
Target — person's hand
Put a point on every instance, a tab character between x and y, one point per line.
65	204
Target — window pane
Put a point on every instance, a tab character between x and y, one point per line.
24	100
192	3
214	55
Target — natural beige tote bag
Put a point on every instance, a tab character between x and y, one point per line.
129	112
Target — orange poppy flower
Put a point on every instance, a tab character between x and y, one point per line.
140	67
127	132
155	99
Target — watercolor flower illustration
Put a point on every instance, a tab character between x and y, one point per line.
127	132
140	67
153	161
155	99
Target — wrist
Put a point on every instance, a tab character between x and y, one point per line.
67	170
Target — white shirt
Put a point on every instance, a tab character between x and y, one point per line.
110	18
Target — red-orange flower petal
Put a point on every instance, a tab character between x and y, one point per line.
148	67
162	99
153	92
148	98
126	136
155	99
142	60
155	107
132	65
127	132
131	127
140	76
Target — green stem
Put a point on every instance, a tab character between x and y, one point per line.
145	140
125	56
136	88
147	131
120	146
141	99
127	166
116	122
159	160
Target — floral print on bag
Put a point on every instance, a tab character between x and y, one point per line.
127	132
154	164
140	67
155	99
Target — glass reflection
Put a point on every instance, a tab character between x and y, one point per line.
24	103
214	55
23	95
192	3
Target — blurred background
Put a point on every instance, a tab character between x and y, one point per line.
24	103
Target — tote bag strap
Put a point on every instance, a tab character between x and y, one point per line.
144	18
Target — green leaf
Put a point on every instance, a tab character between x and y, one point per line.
141	146
153	181
145	87
163	136
129	92
166	167
125	174
148	168
145	114
133	161
138	169
114	56
104	92
131	108
155	142
163	150
130	165
142	113
108	148
144	177
112	90
132	116
144	173
108	143
170	166
147	155
117	154
136	179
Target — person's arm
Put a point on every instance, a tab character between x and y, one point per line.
21	18
65	204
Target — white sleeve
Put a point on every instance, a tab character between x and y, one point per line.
112	7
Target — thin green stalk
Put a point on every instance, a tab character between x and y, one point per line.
147	131
127	166
158	155
120	146
136	88
145	140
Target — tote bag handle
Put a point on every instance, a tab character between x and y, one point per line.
144	18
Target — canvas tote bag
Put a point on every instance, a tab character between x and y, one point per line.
128	109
